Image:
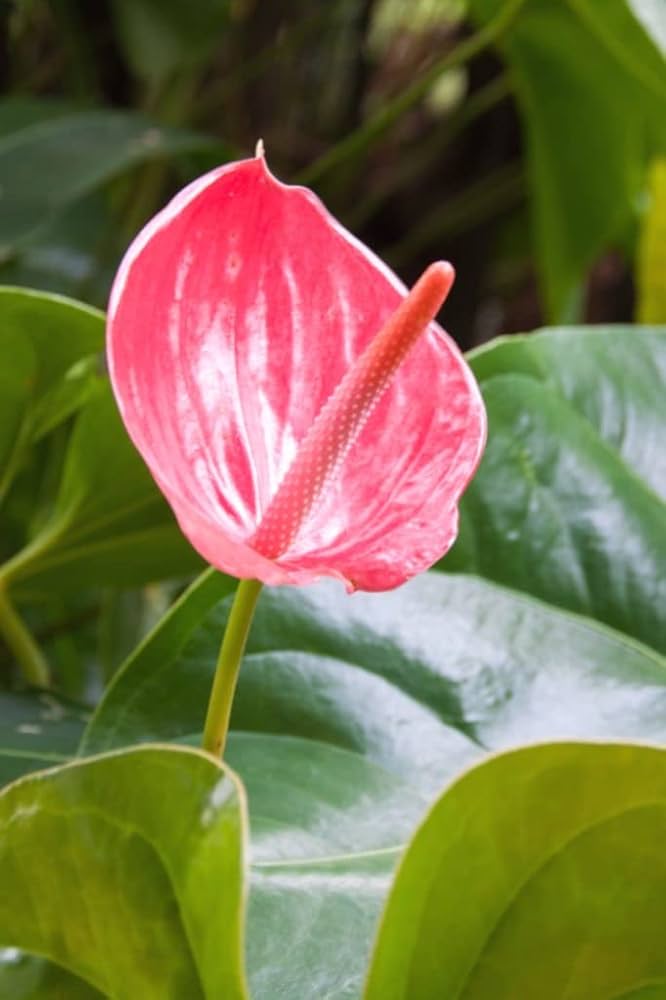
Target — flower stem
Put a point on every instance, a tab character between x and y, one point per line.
228	666
20	642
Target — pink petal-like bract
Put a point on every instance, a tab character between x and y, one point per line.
297	427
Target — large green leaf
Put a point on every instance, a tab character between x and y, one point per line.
541	873
612	376
568	504
591	85
82	151
351	713
36	730
109	524
127	870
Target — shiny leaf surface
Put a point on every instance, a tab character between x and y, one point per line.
611	376
568	504
351	714
142	851
540	873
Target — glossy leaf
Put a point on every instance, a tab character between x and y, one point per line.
83	151
351	714
590	84
540	873
109	524
568	504
36	731
611	376
155	835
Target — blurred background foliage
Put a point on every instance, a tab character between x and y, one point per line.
522	139
525	140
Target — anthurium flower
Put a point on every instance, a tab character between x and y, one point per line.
301	414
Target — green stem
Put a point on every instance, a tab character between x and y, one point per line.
20	642
479	202
421	160
228	666
359	140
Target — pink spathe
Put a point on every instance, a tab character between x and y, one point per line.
241	311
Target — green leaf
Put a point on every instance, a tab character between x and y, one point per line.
351	713
52	343
649	14
630	32
109	525
568	501
540	873
156	837
612	376
15	392
83	151
19	112
651	258
67	255
36	730
24	977
590	84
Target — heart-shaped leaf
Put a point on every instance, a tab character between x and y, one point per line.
568	504
611	376
127	871
351	713
540	873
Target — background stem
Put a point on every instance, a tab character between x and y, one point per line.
20	642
